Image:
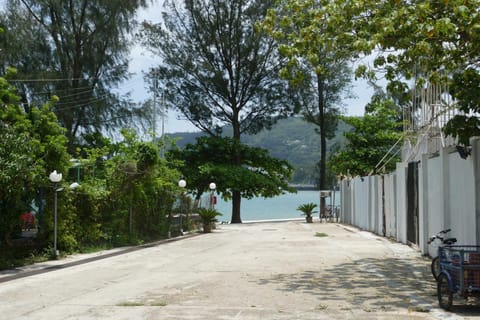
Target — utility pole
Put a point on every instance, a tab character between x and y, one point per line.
164	114
155	88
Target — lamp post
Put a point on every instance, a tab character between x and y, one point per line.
77	165
182	184
212	187
55	178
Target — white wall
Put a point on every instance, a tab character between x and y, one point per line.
449	197
390	205
460	193
401	201
433	196
360	203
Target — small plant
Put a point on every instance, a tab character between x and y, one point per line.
209	217
308	209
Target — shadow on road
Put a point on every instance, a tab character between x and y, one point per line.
371	285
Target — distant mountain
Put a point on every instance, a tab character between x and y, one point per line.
291	139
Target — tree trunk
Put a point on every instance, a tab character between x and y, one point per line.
236	201
323	142
236	195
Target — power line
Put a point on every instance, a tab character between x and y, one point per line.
49	80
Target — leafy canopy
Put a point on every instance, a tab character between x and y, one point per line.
77	50
209	160
370	140
32	146
316	64
410	40
215	68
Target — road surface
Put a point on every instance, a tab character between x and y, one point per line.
284	270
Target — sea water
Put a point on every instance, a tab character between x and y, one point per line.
280	207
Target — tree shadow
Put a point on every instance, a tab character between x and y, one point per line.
372	285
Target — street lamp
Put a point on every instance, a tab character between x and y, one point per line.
212	187
182	184
74	185
55	178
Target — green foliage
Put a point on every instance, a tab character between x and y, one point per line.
465	88
208	215
88	202
307	209
371	138
464	127
424	41
142	190
212	159
410	40
216	69
85	44
317	66
321	235
32	146
126	190
292	139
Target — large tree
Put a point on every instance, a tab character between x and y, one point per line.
77	50
409	40
209	160
373	144
434	41
316	65
217	70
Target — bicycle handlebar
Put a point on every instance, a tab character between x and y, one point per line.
437	236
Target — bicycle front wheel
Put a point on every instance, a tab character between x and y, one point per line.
444	293
435	268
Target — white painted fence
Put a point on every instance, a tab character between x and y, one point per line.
448	197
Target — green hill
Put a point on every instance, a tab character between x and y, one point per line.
290	139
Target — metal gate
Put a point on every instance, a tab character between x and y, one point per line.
412	203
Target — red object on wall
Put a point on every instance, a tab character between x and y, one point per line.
28	220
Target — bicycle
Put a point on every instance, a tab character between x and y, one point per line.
435	267
459	275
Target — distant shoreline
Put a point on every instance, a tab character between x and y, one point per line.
304	187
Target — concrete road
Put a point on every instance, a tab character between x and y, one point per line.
287	270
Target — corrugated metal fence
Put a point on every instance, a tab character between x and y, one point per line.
419	199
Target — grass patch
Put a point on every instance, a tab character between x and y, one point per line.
159	303
321	234
12	257
156	303
418	309
95	248
130	304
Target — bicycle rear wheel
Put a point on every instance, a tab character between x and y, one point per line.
435	268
